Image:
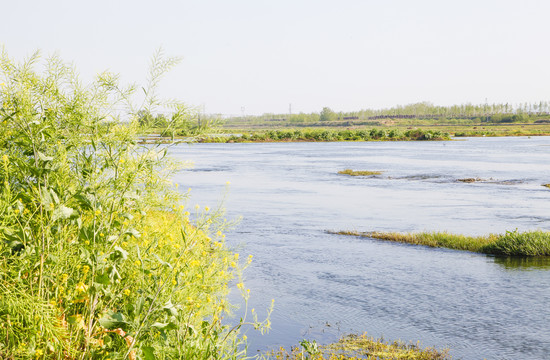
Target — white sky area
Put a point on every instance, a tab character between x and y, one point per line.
264	55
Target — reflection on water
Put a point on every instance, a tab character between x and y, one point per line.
289	194
523	263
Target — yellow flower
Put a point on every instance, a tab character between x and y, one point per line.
236	256
233	264
137	263
81	287
240	285
97	212
197	207
85	269
5	158
127	292
206	208
227	183
194	263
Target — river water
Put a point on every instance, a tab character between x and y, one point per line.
324	285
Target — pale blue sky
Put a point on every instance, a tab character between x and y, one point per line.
265	55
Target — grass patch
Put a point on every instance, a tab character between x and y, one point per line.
360	347
531	243
513	243
470	180
546	185
351	172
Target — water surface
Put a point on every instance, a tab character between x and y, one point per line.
289	195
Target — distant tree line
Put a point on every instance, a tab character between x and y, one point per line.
497	113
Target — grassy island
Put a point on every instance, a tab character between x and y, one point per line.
512	243
351	172
355	347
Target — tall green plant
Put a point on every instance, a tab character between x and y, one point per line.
98	258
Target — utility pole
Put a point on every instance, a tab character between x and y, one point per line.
289	112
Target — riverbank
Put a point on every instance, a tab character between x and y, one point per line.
512	243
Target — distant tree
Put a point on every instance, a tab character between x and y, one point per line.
327	115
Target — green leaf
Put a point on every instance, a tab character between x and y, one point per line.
133	232
112	320
119	253
103	279
170	308
148	353
43	157
62	212
164	326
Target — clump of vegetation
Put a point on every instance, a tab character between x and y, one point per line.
355	347
98	257
331	135
351	172
513	243
546	185
470	180
531	243
432	239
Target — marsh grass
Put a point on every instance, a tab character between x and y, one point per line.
512	243
355	347
470	180
531	243
351	172
432	239
546	185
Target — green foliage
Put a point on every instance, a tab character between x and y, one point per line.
355	347
530	243
98	259
513	243
327	115
323	134
351	172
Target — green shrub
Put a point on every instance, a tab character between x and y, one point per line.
98	258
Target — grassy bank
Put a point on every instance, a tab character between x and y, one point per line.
326	134
512	243
355	347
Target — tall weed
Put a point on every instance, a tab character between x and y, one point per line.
98	258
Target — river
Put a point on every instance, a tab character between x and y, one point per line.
324	285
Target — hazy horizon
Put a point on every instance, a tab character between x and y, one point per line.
258	57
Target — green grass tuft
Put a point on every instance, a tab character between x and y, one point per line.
531	243
351	172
